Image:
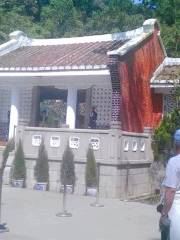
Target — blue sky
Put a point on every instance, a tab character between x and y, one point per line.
137	1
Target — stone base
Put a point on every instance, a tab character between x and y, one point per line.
114	183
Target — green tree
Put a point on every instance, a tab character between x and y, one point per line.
9	148
163	137
168	13
112	20
91	171
166	10
171	39
61	18
41	170
19	167
67	171
13	21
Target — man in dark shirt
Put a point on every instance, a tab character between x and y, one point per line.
93	118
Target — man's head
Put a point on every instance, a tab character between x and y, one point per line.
177	140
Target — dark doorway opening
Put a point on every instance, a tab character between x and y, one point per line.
49	107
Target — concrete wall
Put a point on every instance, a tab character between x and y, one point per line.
124	159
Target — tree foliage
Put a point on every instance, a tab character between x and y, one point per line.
168	13
58	18
67	167
91	172
163	137
41	170
9	148
162	143
19	167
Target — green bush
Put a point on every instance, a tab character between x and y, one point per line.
162	143
68	168
41	169
10	146
19	167
91	172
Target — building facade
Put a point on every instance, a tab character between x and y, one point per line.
48	87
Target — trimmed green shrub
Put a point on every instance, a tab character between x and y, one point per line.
10	146
41	169
68	168
162	143
19	167
91	172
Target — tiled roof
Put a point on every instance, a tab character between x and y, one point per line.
169	73
88	55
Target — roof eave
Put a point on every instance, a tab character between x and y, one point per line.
99	72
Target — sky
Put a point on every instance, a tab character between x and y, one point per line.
137	1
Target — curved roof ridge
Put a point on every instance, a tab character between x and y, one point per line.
88	39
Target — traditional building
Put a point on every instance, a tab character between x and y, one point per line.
48	87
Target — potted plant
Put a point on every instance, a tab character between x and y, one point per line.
41	169
19	167
67	177
91	173
67	171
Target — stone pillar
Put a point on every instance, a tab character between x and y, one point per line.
116	105
14	114
116	92
71	108
148	148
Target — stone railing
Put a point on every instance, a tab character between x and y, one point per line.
110	146
124	158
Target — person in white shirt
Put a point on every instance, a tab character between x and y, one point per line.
171	206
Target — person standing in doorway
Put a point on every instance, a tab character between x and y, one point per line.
170	214
93	118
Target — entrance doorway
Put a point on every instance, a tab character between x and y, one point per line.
83	108
49	107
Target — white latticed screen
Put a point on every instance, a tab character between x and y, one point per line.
102	100
25	106
169	103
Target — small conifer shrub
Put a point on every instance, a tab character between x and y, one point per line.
19	167
41	170
91	172
68	168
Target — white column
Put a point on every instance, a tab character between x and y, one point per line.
71	107
14	114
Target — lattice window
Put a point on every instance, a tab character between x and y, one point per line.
102	99
169	103
5	104
25	106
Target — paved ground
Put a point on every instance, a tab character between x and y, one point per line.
31	216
